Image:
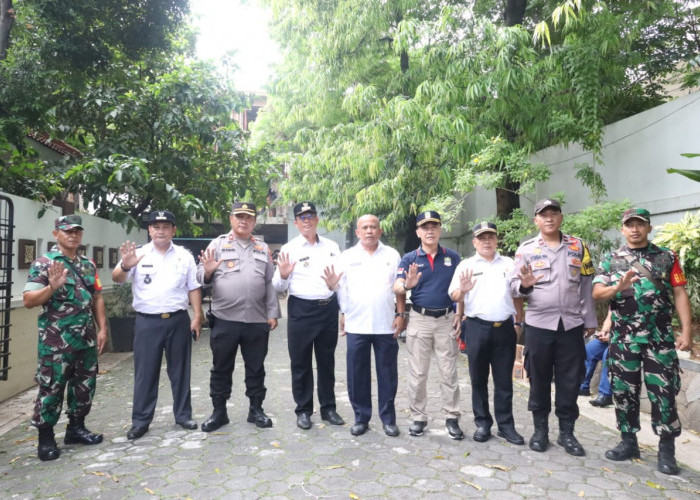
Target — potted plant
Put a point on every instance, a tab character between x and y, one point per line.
121	317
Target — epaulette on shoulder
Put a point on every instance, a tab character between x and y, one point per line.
528	242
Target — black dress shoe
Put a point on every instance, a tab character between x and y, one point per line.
453	429
80	435
190	424
136	432
511	435
482	434
602	401
391	430
304	421
417	428
257	416
332	417
359	429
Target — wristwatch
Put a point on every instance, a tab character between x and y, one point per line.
400	315
125	269
405	287
518	323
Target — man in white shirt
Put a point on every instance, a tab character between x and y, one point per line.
483	283
364	282
312	327
164	283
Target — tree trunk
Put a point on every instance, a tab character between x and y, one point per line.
514	12
7	18
507	198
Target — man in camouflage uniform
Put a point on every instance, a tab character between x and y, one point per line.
67	287
639	279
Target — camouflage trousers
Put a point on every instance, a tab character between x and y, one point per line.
76	371
658	364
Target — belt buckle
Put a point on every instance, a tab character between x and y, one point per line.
324	302
165	316
497	324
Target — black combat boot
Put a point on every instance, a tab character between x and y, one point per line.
626	449
667	456
568	440
77	433
219	416
257	416
47	449
540	439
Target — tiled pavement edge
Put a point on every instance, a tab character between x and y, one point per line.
242	461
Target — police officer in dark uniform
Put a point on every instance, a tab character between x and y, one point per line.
433	326
239	269
164	283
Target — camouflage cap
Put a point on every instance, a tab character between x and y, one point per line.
636	213
68	222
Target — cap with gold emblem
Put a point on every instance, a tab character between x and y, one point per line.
68	222
244	207
484	227
303	207
427	216
161	216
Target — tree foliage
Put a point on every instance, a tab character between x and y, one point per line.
153	124
389	107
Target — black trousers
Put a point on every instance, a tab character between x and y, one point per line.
225	339
491	349
359	361
153	337
312	329
560	354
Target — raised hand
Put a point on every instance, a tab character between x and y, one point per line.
627	280
412	276
527	277
466	281
331	278
57	275
209	262
128	253
285	265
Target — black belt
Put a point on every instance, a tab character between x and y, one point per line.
435	313
318	302
161	315
492	324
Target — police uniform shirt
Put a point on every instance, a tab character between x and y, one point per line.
306	280
565	289
437	272
162	282
242	284
490	299
365	290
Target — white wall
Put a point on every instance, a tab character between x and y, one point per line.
23	332
636	153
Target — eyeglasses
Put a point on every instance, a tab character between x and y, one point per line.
306	216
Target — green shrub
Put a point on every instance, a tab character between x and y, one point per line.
684	238
118	301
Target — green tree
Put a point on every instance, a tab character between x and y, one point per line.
387	107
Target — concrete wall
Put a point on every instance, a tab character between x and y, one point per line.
23	332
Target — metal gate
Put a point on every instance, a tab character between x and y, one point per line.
7	213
